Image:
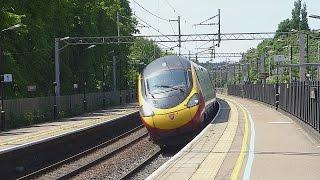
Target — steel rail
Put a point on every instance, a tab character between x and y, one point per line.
141	164
78	156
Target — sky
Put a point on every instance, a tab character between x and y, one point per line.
236	16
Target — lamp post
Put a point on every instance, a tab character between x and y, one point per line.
103	85
318	67
104	94
55	109
114	70
314	16
85	106
57	50
2	111
84	97
75	87
291	58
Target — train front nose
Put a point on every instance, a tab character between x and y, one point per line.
172	119
179	119
168	122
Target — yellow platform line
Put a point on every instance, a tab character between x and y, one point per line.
244	147
57	131
211	165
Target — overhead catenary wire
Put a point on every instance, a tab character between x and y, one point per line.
147	25
152	27
207	19
150	11
172	28
157	16
175	11
160	18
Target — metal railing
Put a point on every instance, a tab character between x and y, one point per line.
301	99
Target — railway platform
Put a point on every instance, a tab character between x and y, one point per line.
246	140
21	138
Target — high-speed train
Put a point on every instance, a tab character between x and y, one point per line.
175	97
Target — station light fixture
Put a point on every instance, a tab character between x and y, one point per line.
65	38
314	16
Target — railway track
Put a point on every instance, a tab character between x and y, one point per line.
141	164
75	164
128	155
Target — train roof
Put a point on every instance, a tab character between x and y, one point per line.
165	63
169	62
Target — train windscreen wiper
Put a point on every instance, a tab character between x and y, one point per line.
172	87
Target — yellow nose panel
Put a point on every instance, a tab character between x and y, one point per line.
172	120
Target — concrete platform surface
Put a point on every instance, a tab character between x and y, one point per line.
282	149
18	138
246	140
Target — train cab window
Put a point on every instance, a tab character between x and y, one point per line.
168	80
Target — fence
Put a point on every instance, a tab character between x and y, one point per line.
21	112
301	99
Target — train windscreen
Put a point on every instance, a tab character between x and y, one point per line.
167	81
168	88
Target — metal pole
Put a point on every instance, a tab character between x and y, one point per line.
257	70
263	68
85	107
118	26
290	68
132	73
215	77
220	77
269	68
114	73
277	72
302	53
55	108
179	35
127	81
234	74
248	69
239	73
219	28
227	74
318	67
277	88
103	85
2	113
120	73
307	54
1	56
57	64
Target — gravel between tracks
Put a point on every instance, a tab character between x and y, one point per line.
155	164
121	163
98	153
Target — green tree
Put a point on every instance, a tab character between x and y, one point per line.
296	15
284	26
304	18
298	21
29	51
142	52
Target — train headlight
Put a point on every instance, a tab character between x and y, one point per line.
146	111
193	101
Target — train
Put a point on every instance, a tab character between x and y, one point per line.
175	97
